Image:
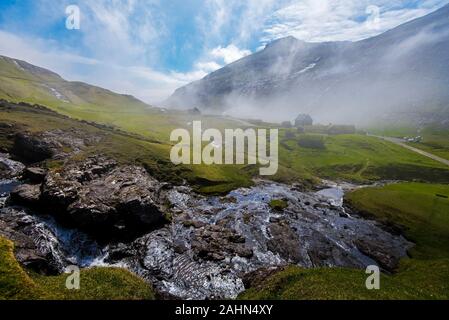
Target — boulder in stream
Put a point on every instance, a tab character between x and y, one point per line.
104	198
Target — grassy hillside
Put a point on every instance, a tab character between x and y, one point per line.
341	157
413	282
95	284
435	140
357	158
123	146
21	81
435	137
422	211
344	157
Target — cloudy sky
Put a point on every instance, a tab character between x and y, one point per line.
149	48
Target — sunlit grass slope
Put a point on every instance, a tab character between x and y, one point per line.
420	209
358	158
435	138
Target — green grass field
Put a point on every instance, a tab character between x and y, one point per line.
359	158
435	141
435	138
355	157
418	280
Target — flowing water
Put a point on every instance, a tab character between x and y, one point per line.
239	232
314	231
64	246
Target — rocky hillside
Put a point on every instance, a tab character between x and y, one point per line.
400	73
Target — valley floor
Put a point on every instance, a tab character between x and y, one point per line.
226	197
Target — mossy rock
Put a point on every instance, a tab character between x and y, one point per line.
278	205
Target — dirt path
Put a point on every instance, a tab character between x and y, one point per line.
401	143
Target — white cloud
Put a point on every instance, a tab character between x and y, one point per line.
341	20
229	54
242	18
217	58
207	67
122	31
121	39
144	83
254	16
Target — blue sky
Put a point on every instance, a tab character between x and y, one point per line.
149	48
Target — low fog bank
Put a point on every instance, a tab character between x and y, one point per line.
362	103
401	75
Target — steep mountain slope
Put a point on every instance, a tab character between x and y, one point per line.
405	69
21	81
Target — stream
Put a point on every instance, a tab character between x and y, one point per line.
212	242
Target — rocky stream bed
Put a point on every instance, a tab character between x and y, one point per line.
100	213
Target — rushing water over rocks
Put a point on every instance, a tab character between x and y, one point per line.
40	237
213	242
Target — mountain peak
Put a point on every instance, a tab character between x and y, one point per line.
287	41
334	80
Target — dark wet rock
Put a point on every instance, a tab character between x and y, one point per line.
27	252
108	200
386	256
6	187
35	175
285	242
216	243
31	148
193	223
258	278
119	252
26	194
9	168
321	206
243	235
179	246
302	187
344	215
326	254
55	144
165	259
228	200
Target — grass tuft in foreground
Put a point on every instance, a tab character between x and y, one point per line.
417	280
